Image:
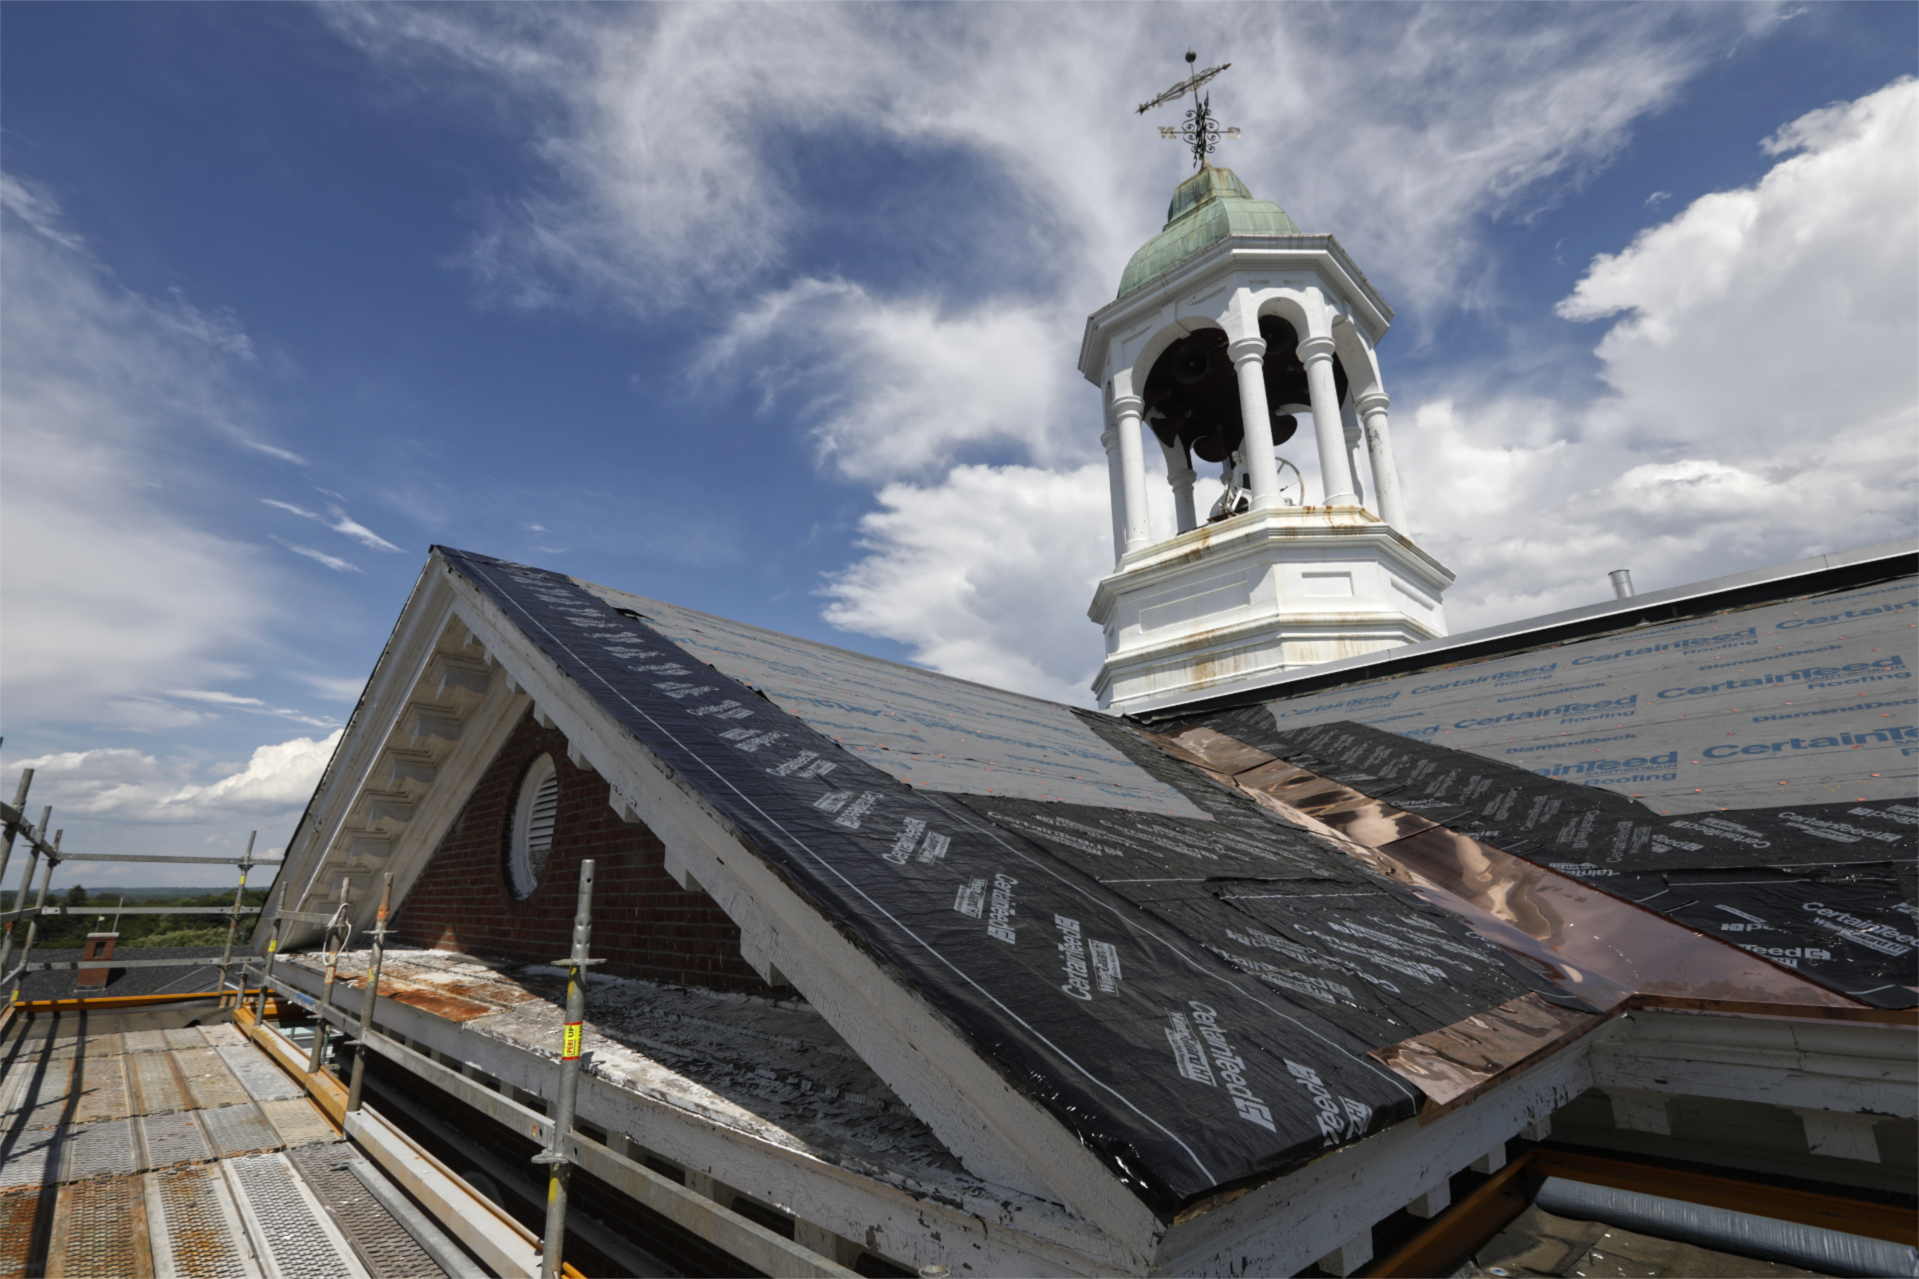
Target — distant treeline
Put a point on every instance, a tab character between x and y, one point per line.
70	931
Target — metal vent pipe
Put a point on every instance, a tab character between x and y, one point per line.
1829	1252
1621	582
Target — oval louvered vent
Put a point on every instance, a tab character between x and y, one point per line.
534	817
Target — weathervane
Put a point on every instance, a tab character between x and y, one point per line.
1199	130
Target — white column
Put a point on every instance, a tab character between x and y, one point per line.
1249	361
1334	477
1132	469
1115	491
1349	427
1379	447
1179	474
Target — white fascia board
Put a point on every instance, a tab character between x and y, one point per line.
1823	1065
1010	1234
1320	253
415	637
378	725
998	1133
1282	1227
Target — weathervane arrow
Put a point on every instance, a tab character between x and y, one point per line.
1199	130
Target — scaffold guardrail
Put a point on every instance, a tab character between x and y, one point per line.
45	854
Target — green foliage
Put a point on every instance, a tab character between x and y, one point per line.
213	936
76	896
64	932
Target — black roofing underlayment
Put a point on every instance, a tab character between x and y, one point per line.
1750	773
1192	997
1825	889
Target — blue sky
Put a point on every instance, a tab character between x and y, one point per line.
773	313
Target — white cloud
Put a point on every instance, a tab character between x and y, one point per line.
1401	127
1763	398
333	562
897	388
339	521
129	785
986	575
110	590
250	705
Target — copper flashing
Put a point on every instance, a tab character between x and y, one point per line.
1454	1063
1609	952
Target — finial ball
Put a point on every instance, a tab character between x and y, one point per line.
1191	56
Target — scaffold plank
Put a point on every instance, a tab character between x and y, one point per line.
289	1229
157	1086
223	1035
100	1228
39	1094
196	1228
259	1076
100	1150
298	1122
383	1245
238	1130
100	1085
175	1139
208	1078
29	1158
26	1220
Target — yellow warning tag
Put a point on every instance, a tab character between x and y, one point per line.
273	945
572	1048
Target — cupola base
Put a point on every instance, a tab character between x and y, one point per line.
1233	604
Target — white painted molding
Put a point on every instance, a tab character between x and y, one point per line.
1841	1136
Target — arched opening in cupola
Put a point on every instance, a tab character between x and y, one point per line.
1191	401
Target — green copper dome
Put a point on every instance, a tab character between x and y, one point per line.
1207	207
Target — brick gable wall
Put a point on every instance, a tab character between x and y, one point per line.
644	924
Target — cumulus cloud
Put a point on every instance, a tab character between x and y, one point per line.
1761	394
897	388
986	575
130	785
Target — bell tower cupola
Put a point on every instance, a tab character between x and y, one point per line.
1231	325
